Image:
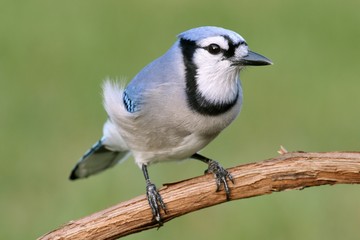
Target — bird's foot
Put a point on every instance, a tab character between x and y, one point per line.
221	176
155	201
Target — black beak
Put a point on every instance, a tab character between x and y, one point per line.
253	59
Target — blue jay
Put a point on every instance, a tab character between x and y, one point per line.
174	107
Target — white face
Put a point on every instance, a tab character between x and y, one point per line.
217	75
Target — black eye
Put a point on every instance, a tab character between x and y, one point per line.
214	48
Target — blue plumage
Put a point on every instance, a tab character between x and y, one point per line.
129	103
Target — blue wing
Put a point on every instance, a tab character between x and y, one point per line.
129	103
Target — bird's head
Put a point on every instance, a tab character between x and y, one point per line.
218	46
213	57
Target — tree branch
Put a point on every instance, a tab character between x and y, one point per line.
294	170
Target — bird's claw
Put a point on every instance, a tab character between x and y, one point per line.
155	201
221	176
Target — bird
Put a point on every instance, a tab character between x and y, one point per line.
173	108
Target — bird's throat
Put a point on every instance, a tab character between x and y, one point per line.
211	100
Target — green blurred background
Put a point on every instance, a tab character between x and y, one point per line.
54	56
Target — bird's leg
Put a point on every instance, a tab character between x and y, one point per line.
154	198
219	172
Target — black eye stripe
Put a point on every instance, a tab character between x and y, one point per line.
230	52
232	46
215	49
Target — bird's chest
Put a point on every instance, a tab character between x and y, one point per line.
174	113
212	125
169	124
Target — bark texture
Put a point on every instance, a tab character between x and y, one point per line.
293	170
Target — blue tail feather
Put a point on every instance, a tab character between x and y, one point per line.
97	159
